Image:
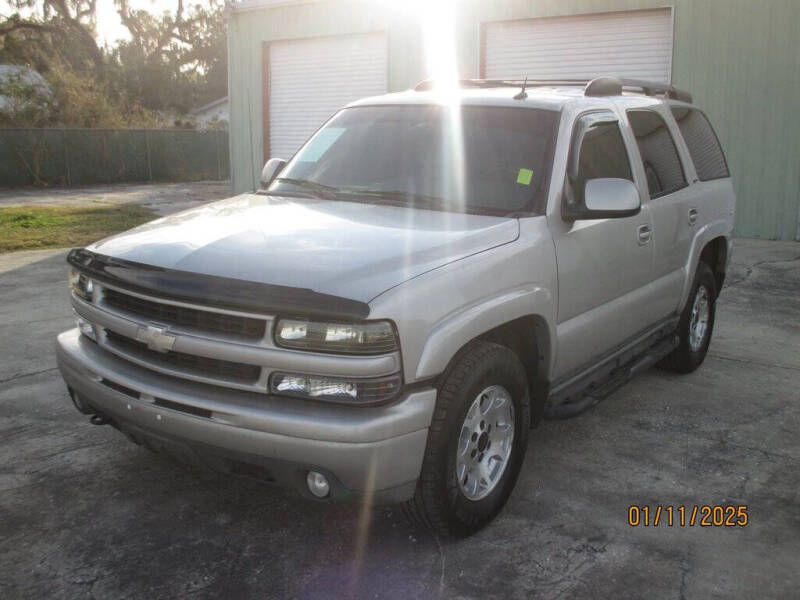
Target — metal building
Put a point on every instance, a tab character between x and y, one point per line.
292	63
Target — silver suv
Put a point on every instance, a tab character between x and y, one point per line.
431	274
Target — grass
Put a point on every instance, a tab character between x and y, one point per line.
35	227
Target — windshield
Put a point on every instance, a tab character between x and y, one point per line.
484	159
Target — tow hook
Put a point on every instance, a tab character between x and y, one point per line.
99	419
95	417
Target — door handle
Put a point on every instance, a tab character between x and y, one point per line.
693	216
643	234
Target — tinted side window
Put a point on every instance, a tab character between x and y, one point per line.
709	161
662	165
602	154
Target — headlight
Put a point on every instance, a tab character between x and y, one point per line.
333	389
81	284
376	337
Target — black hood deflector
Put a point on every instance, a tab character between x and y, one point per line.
212	290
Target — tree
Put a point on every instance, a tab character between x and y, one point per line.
176	60
55	38
66	25
173	62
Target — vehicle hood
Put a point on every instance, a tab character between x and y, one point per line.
347	249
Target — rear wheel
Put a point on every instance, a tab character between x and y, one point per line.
476	442
696	324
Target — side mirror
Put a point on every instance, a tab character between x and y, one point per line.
271	169
606	198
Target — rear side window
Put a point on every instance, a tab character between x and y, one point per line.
709	161
662	165
602	154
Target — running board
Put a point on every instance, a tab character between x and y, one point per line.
601	388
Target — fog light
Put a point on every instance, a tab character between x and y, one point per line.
318	484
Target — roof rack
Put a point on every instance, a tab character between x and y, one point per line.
600	86
427	84
613	86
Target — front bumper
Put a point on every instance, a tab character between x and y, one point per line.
374	452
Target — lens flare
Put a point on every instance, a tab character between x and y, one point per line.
439	35
437	22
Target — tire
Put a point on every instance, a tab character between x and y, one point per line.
691	351
441	501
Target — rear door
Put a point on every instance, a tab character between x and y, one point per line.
670	200
604	265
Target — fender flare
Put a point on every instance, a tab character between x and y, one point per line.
454	331
710	231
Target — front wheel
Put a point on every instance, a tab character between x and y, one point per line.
696	324
476	442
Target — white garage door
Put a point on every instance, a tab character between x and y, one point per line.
309	80
635	44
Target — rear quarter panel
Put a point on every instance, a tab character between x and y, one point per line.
716	203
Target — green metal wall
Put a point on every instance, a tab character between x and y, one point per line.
739	58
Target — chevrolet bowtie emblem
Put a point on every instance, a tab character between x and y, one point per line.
155	337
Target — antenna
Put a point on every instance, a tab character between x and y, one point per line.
522	93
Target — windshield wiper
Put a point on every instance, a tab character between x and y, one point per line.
327	191
395	197
398	197
407	199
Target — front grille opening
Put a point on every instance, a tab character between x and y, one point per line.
120	388
184	408
201	320
190	364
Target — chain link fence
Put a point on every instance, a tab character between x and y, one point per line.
73	157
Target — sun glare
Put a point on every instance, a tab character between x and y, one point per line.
438	24
439	38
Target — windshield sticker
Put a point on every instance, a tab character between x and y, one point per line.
525	176
319	144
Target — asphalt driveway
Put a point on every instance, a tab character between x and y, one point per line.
86	514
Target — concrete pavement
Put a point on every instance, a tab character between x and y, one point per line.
86	514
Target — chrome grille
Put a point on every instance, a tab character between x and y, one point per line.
182	316
191	364
208	344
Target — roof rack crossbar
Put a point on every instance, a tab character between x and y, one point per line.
613	86
599	86
427	84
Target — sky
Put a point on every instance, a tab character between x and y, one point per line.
109	27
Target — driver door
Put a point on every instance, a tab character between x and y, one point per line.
604	265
